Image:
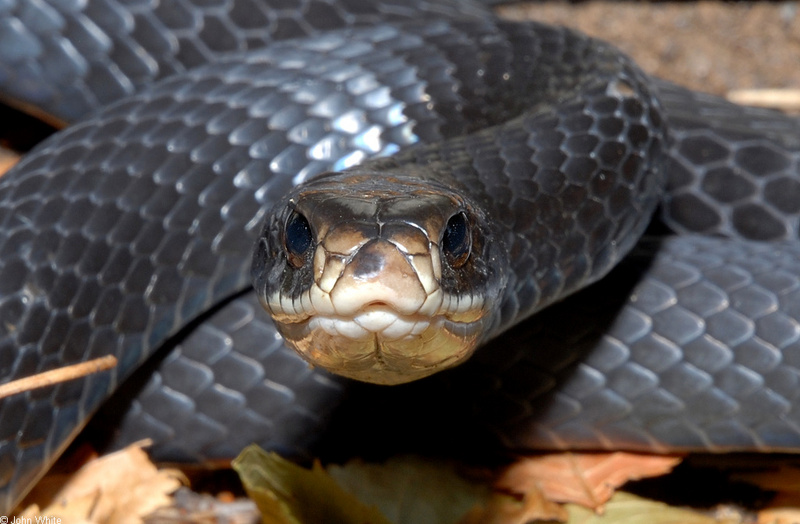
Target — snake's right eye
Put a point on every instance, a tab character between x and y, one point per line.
297	238
456	240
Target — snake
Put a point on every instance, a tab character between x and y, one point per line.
579	255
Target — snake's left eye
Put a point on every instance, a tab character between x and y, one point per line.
297	238
457	240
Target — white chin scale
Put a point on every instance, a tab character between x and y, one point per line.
382	347
380	322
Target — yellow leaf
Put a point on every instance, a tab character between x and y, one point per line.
289	494
624	508
409	489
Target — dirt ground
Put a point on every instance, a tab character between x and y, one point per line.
711	46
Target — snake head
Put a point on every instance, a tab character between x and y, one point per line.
379	278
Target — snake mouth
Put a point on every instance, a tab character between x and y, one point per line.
381	345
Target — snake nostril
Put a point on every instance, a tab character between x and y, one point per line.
297	238
456	240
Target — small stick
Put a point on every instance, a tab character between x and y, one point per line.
58	375
786	99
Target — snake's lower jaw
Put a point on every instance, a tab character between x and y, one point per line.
405	350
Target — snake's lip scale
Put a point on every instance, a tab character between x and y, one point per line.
379	343
386	324
379	321
316	303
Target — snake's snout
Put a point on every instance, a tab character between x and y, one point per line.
381	273
372	283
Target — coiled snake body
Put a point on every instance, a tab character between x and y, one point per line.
131	232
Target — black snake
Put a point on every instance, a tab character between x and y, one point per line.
131	232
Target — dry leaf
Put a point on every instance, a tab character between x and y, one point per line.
7	160
286	493
783	509
588	479
624	508
411	489
784	479
119	488
503	508
779	516
402	490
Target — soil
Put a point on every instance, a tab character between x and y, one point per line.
709	46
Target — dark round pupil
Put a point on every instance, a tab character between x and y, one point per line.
456	241
298	234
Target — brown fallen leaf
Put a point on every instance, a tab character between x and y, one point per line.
7	160
119	488
587	479
780	514
784	508
785	479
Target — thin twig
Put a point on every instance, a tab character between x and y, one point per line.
56	376
785	99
